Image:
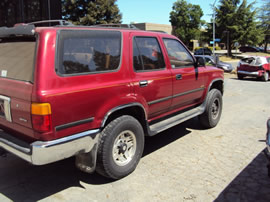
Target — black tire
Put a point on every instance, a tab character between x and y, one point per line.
121	145
240	77
265	76
213	109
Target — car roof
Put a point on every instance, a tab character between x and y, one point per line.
30	30
206	56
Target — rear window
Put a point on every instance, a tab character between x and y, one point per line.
88	51
17	58
255	61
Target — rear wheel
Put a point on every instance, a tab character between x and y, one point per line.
240	77
265	76
120	147
213	109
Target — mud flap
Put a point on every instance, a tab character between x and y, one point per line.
86	162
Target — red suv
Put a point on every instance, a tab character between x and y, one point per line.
96	92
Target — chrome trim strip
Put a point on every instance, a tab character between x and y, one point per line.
248	73
73	124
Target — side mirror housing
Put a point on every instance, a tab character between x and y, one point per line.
200	62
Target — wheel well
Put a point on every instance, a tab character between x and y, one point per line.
218	85
135	111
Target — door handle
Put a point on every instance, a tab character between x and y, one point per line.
178	76
143	83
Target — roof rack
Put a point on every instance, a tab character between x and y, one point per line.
19	30
160	31
50	23
128	26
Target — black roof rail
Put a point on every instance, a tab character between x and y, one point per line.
160	31
50	23
128	26
19	30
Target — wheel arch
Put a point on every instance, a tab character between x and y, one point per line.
135	110
218	84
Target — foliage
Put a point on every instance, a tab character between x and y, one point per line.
186	20
91	12
236	22
264	17
210	47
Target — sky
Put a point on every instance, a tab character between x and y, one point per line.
158	11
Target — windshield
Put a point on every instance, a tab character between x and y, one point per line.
17	58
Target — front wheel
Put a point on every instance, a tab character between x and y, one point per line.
213	109
120	147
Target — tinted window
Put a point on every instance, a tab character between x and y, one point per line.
147	54
178	55
17	58
88	51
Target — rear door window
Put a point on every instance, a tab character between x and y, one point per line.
147	54
88	51
17	58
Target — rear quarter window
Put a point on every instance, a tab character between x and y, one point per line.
88	51
17	58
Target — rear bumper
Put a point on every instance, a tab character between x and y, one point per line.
41	153
254	74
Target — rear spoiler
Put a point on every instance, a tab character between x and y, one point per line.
20	30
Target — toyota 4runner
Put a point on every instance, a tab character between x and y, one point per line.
96	92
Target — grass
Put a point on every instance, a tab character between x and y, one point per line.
226	58
256	54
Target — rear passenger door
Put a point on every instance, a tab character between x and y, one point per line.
188	80
152	80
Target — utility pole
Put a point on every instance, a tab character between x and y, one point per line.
214	23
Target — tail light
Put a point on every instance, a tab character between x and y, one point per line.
41	117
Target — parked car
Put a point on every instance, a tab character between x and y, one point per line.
254	66
249	49
209	60
203	51
96	92
267	149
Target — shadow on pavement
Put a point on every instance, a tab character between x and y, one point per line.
21	181
252	184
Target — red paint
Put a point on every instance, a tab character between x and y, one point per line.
75	98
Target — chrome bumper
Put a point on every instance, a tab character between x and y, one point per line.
41	153
248	73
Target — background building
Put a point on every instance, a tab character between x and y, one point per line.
154	27
23	11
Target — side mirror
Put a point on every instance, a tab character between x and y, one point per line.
200	62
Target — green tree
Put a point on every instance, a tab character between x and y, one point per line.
264	17
236	22
186	20
91	12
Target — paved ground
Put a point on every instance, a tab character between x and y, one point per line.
185	163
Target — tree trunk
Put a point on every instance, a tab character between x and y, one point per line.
266	40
